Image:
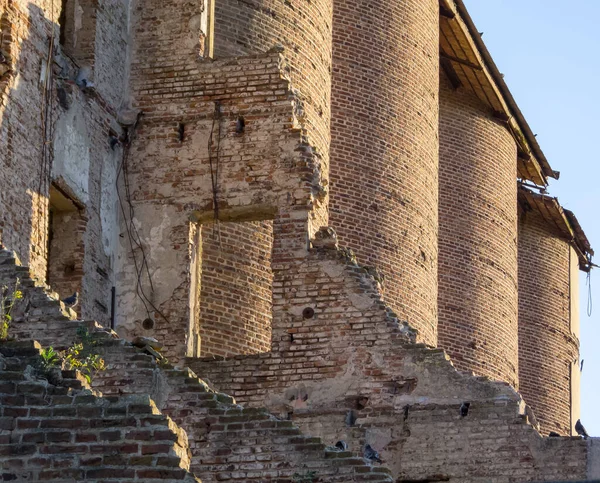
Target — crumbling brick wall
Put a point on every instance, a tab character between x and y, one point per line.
478	238
303	29
548	348
349	371
227	441
236	299
60	431
384	151
417	413
189	130
74	150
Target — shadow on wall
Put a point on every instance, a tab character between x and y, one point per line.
25	159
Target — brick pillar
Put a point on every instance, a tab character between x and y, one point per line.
303	29
384	148
547	348
478	238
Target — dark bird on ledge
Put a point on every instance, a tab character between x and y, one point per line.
371	454
72	301
581	430
464	409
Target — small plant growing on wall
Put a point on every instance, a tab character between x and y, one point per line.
80	356
8	299
50	358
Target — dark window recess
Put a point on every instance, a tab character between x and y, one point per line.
66	228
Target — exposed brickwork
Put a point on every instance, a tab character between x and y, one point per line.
66	252
230	443
314	337
268	171
384	147
78	152
304	30
236	301
227	441
478	238
547	347
432	442
63	432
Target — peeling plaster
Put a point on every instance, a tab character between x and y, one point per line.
72	152
165	264
109	206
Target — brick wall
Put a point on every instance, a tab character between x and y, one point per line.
236	300
348	372
67	252
77	155
303	29
414	421
547	347
384	151
478	238
227	442
189	127
432	442
62	432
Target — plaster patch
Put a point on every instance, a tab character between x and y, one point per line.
109	207
72	152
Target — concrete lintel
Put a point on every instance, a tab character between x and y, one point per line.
237	214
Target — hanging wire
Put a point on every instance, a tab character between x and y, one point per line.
47	129
588	282
135	240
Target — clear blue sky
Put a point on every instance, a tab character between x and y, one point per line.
549	51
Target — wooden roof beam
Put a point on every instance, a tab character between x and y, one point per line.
460	61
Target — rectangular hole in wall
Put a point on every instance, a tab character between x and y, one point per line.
66	228
207	28
236	288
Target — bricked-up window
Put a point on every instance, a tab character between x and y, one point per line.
66	228
77	22
236	293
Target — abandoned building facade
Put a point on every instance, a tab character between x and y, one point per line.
331	212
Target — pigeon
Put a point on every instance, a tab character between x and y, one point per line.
341	445
371	454
72	301
553	434
581	367
83	76
581	430
464	409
